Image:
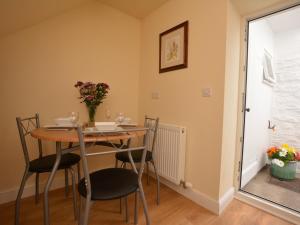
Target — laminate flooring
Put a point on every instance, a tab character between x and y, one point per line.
173	210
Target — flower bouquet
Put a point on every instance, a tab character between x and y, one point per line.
92	95
283	161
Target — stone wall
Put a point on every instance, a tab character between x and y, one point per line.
286	92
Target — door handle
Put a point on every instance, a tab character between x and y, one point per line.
247	109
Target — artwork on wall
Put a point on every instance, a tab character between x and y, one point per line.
268	73
173	48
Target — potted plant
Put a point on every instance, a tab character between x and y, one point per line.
92	95
283	161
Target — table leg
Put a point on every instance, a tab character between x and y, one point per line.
49	182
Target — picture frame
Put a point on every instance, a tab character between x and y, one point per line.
268	72
173	48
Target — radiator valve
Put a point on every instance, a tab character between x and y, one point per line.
186	185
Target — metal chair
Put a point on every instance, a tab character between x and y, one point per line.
111	183
152	125
42	164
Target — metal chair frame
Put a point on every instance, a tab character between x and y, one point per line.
25	126
152	125
86	205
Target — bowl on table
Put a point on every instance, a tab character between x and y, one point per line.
106	126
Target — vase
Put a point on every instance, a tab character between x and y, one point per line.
287	172
92	113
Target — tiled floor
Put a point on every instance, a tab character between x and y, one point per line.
286	193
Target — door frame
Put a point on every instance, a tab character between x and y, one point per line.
273	208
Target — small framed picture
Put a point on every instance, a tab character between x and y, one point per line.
268	73
173	48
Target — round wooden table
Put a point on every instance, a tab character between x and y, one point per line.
72	136
60	136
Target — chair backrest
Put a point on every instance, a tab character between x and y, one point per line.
25	126
84	154
150	139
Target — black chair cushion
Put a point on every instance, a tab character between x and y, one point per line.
112	183
136	156
46	163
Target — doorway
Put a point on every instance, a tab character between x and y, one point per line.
271	136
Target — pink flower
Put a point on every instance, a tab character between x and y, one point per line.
104	85
297	156
89	98
78	84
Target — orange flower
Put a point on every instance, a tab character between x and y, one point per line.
271	151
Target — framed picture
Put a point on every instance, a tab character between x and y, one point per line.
173	48
268	73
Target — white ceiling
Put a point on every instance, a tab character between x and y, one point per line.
19	14
249	6
136	8
285	20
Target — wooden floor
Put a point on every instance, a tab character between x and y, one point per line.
173	210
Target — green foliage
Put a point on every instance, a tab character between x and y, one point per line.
289	156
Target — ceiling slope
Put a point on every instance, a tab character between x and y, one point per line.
19	14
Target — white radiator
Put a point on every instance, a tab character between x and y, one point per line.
169	152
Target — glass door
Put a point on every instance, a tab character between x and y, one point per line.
271	142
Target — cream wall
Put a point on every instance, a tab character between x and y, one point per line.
180	99
230	99
98	43
39	66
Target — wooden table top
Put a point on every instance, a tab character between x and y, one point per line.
72	136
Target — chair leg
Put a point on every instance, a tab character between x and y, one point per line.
157	184
74	193
66	183
87	206
78	172
26	175
126	209
136	208
142	194
80	210
148	180
116	163
37	183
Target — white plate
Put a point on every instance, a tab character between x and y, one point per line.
131	124
59	127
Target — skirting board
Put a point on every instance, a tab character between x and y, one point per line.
29	190
201	199
249	173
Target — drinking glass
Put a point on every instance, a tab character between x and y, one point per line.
107	114
120	118
74	118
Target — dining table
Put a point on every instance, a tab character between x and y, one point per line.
69	135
